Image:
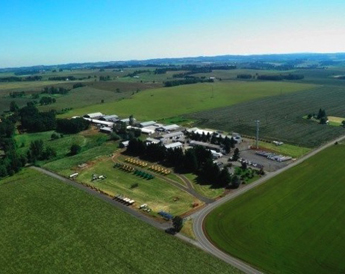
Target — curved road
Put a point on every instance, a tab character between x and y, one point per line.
200	216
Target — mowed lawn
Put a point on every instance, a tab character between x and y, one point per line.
50	227
167	102
295	223
156	193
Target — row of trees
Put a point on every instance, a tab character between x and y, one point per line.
20	79
196	160
187	81
71	126
280	77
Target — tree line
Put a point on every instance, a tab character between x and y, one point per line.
20	79
197	160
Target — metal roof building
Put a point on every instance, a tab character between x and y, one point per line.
94	115
173	145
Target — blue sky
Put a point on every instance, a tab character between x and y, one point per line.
37	32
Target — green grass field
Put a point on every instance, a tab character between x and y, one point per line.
294	223
50	227
169	102
281	116
285	149
204	189
156	193
86	139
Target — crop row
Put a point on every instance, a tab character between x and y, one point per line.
281	117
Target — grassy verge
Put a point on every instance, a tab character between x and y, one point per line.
285	149
204	189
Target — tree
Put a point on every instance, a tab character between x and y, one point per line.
48	153
13	107
235	182
190	161
131	120
75	149
236	154
54	136
323	120
35	150
177	223
224	177
343	122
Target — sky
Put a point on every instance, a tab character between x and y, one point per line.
46	32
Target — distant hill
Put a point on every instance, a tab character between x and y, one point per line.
293	59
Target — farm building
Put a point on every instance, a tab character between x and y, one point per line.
148	123
200	131
110	118
172	136
95	115
100	123
126	120
205	145
174	145
147	130
168	128
152	141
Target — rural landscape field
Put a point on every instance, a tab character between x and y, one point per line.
172	137
53	227
293	223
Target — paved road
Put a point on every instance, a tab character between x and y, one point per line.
199	216
133	212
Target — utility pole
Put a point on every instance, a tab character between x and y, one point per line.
257	133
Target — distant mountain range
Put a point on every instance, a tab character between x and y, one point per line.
287	59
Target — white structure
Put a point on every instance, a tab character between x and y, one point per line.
148	123
216	154
200	131
152	141
106	129
94	115
100	122
174	145
168	128
110	118
172	136
148	131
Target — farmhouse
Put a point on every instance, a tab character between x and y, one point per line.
174	145
95	115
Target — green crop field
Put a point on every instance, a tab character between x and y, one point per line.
169	102
294	223
281	116
50	227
